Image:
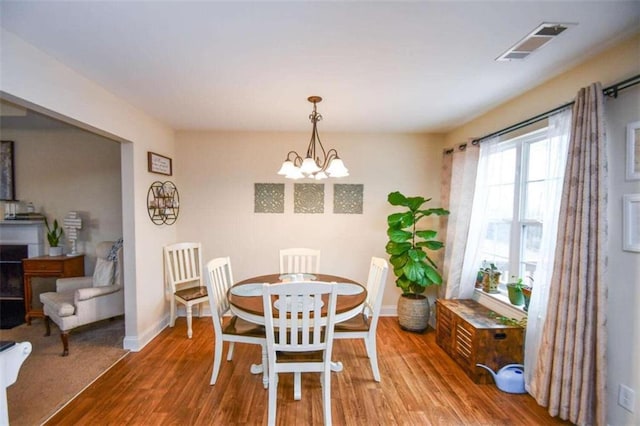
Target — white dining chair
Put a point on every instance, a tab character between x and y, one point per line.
299	260
219	279
182	265
364	325
300	338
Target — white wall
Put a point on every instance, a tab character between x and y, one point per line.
62	170
617	64
217	198
33	79
624	267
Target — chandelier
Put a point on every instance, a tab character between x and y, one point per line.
317	163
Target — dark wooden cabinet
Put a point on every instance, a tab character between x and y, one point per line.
47	266
465	330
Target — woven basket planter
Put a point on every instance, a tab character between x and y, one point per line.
413	313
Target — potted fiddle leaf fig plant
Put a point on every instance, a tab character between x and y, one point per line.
54	234
409	248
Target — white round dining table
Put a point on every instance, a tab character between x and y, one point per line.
245	300
245	297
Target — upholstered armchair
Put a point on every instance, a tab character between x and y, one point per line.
83	300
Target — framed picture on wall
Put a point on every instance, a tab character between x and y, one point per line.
159	164
633	151
7	176
631	222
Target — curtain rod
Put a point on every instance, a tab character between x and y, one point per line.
611	91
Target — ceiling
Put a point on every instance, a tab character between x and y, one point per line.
380	66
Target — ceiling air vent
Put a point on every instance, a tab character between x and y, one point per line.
533	41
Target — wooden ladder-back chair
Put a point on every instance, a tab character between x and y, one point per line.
182	264
300	337
299	260
364	325
219	279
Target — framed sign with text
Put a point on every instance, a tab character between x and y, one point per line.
159	164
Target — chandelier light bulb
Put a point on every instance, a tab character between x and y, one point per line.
286	168
295	173
309	166
320	176
337	168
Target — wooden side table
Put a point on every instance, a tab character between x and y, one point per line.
47	266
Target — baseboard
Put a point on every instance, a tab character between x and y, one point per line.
389	311
136	343
392	311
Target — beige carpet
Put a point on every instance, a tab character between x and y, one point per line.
47	381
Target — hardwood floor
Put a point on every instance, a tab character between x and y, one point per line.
168	383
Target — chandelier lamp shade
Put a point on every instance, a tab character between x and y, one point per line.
317	163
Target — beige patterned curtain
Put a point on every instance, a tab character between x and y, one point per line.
459	168
570	373
445	190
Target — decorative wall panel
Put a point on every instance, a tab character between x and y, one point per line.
347	198
308	198
269	198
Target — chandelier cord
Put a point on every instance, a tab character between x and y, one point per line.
314	117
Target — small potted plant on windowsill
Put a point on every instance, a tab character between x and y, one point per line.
54	234
515	287
515	322
490	278
526	293
412	265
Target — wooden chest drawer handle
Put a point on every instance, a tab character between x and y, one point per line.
500	336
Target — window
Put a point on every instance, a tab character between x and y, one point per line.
517	174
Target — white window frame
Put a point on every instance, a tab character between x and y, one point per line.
522	144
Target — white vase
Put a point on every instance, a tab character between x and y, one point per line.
55	251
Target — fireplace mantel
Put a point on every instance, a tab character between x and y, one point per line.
24	232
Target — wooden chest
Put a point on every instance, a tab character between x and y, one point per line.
466	332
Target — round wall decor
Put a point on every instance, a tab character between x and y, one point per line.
163	203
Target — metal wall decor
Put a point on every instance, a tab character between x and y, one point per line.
268	198
163	203
308	198
347	198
